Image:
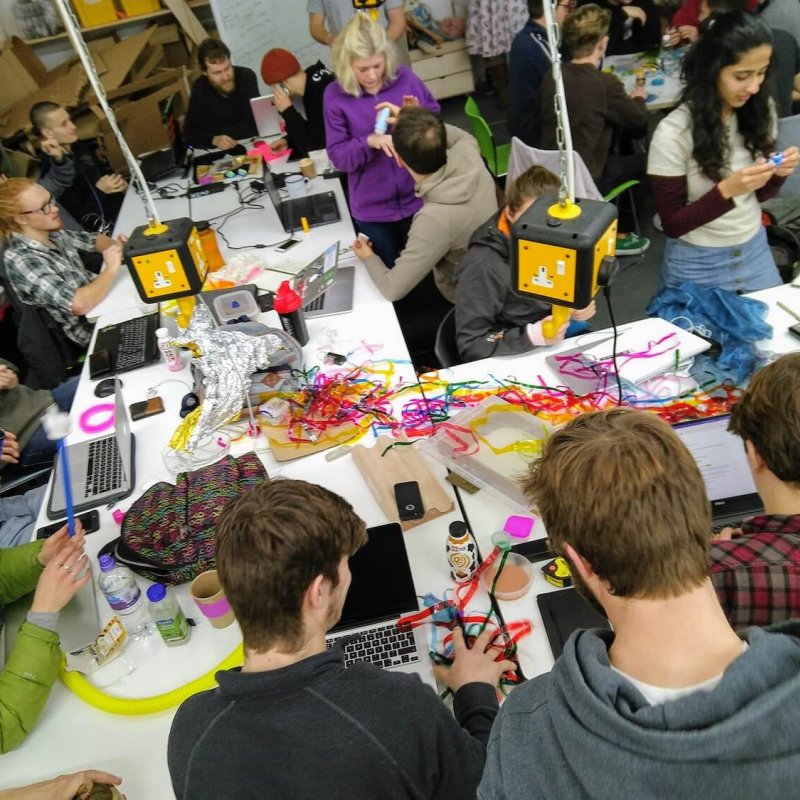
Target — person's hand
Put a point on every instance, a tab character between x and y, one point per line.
111	184
687	33
726	534
749	179
635	13
8	378
363	249
278	146
394	110
223	142
10	453
473	665
64	787
112	257
121	239
53	149
582	314
537	337
53	545
60	580
640	92
382	141
281	100
453	26
791	158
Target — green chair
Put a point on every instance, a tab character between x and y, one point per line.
496	157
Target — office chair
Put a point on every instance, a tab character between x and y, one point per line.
445	347
495	156
19	483
789	134
522	157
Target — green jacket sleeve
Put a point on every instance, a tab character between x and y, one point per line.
19	571
25	683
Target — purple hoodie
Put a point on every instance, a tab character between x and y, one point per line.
380	191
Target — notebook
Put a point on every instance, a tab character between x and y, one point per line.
126	346
563	612
723	465
326	288
645	349
101	469
266	116
319	208
381	591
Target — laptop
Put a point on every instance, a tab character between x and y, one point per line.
723	465
381	591
320	208
126	346
101	469
266	116
326	288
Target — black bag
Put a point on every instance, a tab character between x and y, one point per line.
783	234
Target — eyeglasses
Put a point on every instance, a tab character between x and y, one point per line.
47	208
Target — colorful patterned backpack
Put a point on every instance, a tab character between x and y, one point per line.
168	533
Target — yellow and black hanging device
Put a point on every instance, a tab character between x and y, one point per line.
562	249
371	6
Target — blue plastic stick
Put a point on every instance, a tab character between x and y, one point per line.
67	488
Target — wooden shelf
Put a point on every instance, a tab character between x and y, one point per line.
112	26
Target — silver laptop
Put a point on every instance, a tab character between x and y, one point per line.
101	469
381	591
79	622
266	116
326	288
723	465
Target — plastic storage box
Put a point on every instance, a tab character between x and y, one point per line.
491	446
233	305
133	8
95	12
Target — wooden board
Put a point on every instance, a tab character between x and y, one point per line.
382	469
187	19
121	58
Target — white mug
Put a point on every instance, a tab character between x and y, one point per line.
296	185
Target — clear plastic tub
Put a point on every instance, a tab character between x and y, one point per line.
515	579
234	305
491	446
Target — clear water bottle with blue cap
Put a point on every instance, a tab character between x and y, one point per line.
123	594
168	616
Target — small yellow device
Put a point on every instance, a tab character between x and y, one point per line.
167	262
369	5
562	253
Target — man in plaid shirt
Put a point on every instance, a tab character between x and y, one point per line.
756	569
41	260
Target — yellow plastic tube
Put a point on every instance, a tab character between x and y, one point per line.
130	706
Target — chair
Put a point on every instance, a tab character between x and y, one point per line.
495	156
522	157
20	483
788	135
445	347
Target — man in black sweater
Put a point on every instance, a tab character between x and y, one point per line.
293	722
219	107
281	70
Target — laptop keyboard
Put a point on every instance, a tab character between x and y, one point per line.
384	647
104	469
316	305
132	348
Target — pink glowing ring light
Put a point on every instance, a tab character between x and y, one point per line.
97	419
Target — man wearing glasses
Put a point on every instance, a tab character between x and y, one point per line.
42	262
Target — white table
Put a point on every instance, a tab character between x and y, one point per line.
665	93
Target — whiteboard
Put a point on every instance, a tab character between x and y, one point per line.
251	27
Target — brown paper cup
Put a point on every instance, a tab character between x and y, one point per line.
307	167
210	598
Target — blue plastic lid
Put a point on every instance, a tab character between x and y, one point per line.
107	563
156	592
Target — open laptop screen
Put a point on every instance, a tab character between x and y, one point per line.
721	458
382	586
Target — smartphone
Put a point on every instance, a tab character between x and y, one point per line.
795	330
409	500
146	408
90	521
287	245
534	550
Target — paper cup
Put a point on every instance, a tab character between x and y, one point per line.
307	168
210	598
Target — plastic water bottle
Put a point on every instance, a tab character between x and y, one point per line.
168	616
123	594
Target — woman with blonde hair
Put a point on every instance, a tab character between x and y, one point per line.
382	199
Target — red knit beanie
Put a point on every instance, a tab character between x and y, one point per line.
278	65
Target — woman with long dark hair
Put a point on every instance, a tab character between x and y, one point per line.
712	161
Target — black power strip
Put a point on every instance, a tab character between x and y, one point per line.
208	188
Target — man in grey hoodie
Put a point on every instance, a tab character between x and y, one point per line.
673	703
459	195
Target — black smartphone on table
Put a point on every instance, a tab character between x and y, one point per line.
409	500
90	521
